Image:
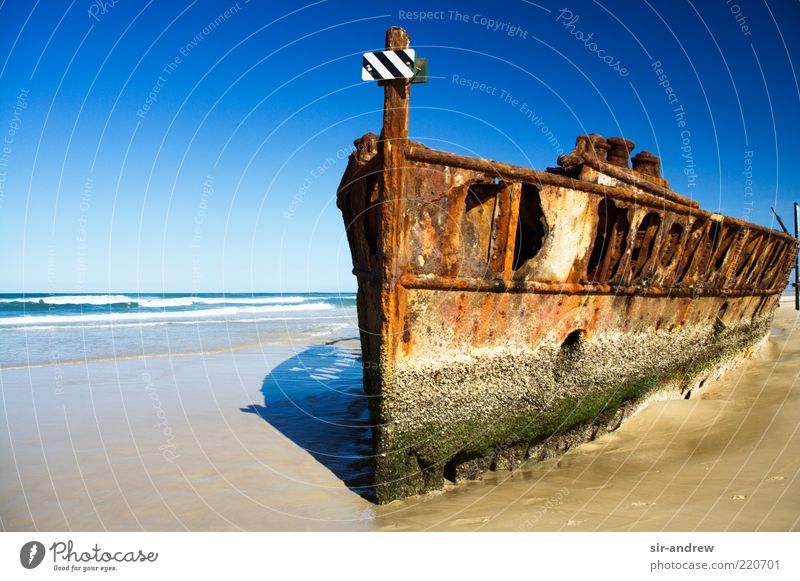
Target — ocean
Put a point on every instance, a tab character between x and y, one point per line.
41	329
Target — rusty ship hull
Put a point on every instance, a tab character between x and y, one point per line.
507	314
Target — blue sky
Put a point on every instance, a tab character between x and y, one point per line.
147	148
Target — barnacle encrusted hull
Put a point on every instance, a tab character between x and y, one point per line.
507	314
549	372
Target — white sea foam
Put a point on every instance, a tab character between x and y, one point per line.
122	325
154	302
229	313
188	301
73	300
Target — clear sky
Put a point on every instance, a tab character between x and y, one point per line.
197	146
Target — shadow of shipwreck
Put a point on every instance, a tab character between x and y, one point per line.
316	400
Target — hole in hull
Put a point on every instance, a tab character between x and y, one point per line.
569	353
610	242
671	246
644	241
722	310
531	227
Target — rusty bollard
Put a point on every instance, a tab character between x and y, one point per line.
620	151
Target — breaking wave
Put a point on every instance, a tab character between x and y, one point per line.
233	313
145	302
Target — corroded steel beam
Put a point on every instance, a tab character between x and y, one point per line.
418	152
500	285
631	178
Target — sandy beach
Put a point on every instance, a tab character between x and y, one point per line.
275	437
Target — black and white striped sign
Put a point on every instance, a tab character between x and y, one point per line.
387	65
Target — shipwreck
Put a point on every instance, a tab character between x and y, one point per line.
507	314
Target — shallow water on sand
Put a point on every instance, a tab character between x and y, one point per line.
276	437
45	329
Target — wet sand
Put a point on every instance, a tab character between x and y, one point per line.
265	439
